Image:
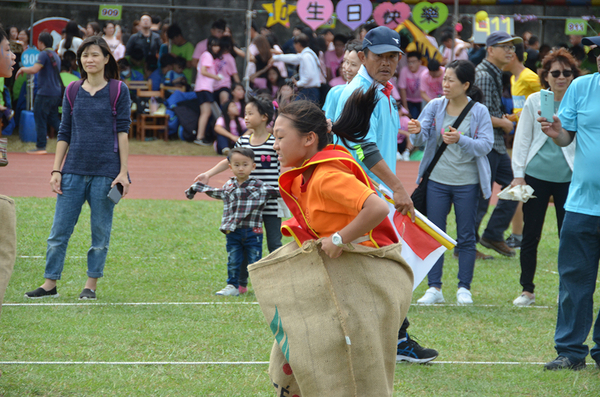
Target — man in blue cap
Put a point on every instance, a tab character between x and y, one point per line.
377	154
579	249
488	77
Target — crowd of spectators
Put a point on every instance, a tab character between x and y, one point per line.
306	65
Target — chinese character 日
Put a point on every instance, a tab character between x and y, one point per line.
354	12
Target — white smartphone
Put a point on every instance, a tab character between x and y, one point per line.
547	104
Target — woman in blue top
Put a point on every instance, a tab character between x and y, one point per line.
461	172
98	149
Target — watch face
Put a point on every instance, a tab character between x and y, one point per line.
336	239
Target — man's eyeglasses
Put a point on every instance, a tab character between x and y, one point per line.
566	73
505	47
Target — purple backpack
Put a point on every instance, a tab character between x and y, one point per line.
114	91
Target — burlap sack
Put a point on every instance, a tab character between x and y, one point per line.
335	321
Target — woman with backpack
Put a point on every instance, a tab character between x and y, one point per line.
93	130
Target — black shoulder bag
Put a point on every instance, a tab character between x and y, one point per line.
419	196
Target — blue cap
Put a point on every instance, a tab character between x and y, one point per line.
591	40
381	40
499	37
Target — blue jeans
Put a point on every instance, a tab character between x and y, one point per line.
505	209
273	230
309	94
578	256
439	200
77	189
414	108
241	244
223	142
45	111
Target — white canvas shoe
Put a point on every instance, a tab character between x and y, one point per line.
432	296
229	290
463	296
406	155
524	300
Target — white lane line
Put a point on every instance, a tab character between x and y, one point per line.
231	363
237	303
133	362
85	257
132	304
487	362
463	306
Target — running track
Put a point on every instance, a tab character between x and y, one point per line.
153	177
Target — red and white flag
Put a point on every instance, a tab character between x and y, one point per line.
422	242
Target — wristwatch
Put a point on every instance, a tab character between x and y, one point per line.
337	240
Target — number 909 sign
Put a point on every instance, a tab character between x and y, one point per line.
110	12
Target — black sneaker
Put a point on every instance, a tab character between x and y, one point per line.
514	241
37	151
202	142
41	293
562	362
87	294
409	350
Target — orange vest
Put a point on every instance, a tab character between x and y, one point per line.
298	226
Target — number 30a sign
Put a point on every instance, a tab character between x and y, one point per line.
482	29
110	11
576	26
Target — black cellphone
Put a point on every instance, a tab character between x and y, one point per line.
116	193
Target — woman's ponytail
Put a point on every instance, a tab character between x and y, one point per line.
352	125
475	94
354	121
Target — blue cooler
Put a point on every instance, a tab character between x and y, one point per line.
27	127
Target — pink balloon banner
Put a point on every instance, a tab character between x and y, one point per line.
314	13
391	15
354	13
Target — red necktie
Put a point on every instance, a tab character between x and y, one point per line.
387	90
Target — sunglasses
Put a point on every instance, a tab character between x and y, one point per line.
566	73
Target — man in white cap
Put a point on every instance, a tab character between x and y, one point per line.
488	77
377	154
579	249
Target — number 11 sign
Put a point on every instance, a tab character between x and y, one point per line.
482	29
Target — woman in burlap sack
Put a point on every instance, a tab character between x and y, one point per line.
336	296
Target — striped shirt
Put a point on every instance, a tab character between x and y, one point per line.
267	166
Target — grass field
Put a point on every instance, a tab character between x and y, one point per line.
171	251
